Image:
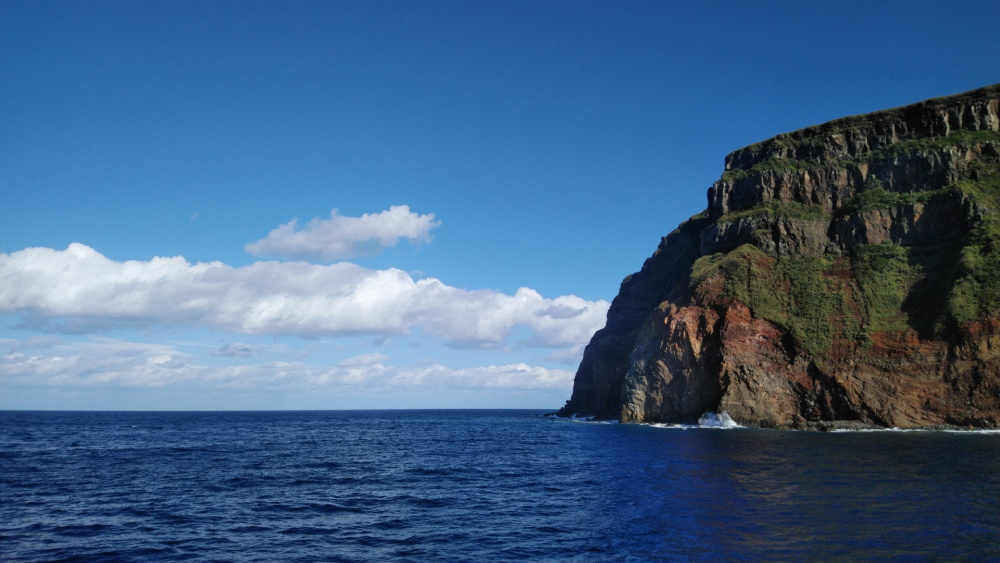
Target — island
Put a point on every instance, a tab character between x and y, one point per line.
846	274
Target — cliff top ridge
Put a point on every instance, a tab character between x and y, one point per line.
852	136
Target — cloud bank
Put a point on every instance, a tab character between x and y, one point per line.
101	362
78	290
342	237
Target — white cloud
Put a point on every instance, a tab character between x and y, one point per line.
78	290
375	358
345	237
99	362
103	362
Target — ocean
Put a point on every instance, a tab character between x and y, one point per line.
483	486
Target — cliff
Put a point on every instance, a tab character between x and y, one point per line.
846	273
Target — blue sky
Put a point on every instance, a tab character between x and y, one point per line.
253	205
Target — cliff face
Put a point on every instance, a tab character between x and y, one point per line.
844	272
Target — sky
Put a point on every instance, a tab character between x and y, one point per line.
389	204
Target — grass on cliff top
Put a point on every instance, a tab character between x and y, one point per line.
817	135
895	150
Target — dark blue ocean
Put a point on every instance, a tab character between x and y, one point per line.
483	486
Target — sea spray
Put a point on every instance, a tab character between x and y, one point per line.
717	420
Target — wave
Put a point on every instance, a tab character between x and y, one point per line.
710	420
717	420
722	421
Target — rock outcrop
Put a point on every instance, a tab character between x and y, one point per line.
847	273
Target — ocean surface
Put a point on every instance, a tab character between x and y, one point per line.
483	486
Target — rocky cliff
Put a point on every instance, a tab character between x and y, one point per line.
845	273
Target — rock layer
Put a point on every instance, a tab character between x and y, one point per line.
845	273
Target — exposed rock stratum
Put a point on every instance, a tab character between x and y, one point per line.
843	273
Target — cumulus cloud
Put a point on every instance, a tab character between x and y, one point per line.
79	290
345	237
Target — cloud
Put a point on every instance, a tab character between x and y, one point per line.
104	362
99	362
29	343
342	237
561	311
236	350
78	290
365	360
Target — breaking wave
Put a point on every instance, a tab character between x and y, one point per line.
717	420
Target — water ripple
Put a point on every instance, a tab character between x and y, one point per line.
481	486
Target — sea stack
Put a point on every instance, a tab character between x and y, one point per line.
846	273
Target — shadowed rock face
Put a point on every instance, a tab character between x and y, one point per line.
845	272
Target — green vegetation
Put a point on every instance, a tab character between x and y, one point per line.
876	197
821	301
818	300
813	300
953	280
895	150
871	199
976	293
883	287
780	210
883	277
808	137
794	293
740	258
985	192
912	146
773	164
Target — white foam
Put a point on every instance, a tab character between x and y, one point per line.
671	426
711	420
717	420
586	419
